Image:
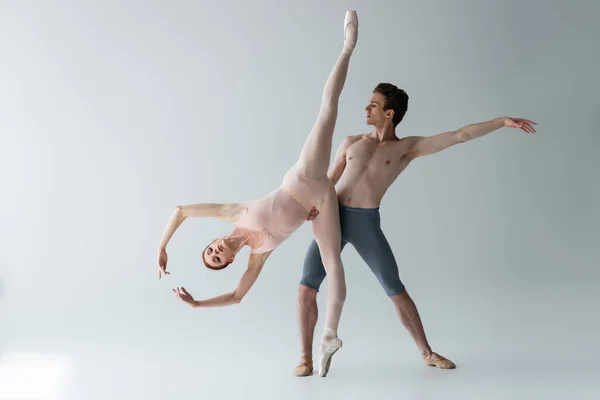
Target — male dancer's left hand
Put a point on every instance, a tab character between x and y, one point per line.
312	214
520	123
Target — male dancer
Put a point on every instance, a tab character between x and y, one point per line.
365	167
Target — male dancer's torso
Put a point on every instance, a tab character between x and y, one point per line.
371	168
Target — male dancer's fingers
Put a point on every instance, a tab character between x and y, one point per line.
524	126
184	291
526	121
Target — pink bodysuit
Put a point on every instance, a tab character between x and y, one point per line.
277	215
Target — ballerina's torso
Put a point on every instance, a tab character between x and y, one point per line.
270	220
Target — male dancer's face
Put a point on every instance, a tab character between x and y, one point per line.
375	112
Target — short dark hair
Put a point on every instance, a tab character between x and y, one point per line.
395	99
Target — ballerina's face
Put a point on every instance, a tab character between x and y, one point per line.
217	255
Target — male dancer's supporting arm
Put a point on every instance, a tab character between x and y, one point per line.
423	146
339	163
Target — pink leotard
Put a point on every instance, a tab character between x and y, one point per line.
277	215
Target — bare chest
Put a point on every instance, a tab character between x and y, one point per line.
377	159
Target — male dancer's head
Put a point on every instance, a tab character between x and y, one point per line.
387	107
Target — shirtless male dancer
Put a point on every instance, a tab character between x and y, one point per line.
365	166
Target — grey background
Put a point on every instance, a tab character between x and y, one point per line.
112	113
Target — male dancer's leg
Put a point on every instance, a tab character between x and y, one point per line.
365	234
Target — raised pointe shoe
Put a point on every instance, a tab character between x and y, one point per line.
350	37
330	346
305	368
440	362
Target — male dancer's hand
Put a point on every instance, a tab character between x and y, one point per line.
185	296
162	263
521	123
312	214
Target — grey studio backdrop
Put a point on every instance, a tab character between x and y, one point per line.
112	113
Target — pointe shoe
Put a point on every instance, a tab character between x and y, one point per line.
441	362
351	37
330	347
305	368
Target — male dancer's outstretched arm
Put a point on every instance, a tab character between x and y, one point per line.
423	146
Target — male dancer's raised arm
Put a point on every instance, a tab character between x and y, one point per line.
423	146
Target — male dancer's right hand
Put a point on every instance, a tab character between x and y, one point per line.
162	263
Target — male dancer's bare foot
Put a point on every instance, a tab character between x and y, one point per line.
435	360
